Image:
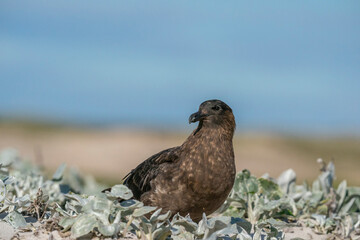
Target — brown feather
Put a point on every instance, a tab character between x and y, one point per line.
195	177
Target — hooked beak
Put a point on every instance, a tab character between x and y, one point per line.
195	117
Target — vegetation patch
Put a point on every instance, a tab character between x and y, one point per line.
257	208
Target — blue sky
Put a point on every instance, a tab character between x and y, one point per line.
281	65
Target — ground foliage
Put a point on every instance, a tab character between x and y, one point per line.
257	208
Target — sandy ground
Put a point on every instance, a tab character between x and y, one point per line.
7	232
110	154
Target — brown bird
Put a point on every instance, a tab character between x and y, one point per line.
195	177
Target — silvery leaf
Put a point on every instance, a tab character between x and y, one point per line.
2	191
143	211
97	204
346	207
130	204
83	225
357	224
269	188
300	191
15	219
349	225
161	232
257	235
245	184
286	180
275	223
326	181
315	198
243	224
228	230
77	198
100	207
120	191
164	216
244	236
319	218
146	226
331	168
59	172
252	186
71	207
155	215
108	230
341	191
23	201
271	205
9	180
213	225
186	222
67	222
354	190
117	218
316	187
292	203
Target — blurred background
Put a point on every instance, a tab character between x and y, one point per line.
104	86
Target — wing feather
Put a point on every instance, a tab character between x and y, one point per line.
138	180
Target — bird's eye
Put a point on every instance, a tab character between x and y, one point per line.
216	108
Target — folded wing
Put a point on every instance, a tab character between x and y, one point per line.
138	180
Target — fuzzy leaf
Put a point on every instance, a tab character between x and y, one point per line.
82	201
270	189
245	183
242	223
9	180
341	192
59	172
162	232
244	236
286	180
83	225
100	207
2	191
315	198
143	211
120	191
271	205
346	207
155	215
326	180
131	204
67	222
164	216
108	230
226	231
186	222
23	201
15	219
97	204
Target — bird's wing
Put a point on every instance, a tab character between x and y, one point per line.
138	180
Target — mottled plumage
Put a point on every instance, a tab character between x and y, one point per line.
195	177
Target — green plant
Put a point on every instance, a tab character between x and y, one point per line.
257	208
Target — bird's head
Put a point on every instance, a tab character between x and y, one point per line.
214	112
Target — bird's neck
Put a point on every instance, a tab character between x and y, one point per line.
213	132
225	128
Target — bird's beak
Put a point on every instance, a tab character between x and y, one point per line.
194	117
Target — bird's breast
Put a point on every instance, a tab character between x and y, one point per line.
210	172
